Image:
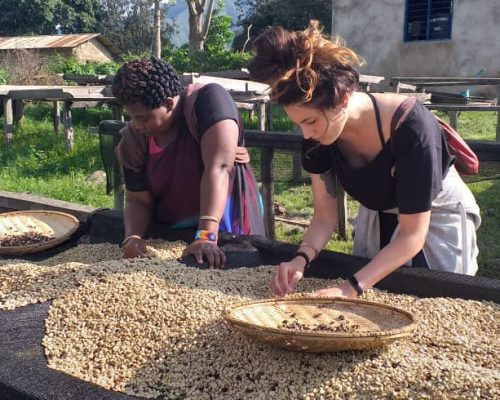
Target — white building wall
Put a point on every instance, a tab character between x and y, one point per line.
375	29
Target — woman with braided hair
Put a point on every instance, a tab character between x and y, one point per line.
386	150
183	160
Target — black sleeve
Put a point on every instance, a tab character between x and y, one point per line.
214	104
315	158
417	149
135	181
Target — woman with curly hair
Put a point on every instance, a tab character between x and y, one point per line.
385	149
183	160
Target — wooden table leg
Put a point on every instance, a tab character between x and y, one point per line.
342	212
453	119
261	116
266	168
68	126
9	120
57	116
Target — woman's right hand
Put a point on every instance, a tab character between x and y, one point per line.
287	276
135	247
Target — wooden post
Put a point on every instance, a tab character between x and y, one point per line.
342	212
57	116
68	126
261	116
296	159
269	116
18	108
395	85
9	120
498	114
266	168
117	112
453	119
118	186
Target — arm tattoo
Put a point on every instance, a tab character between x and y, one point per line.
331	183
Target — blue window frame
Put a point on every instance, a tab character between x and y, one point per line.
428	20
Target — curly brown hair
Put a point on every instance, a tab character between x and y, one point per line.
305	66
148	82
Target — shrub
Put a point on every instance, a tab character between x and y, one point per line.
205	62
72	65
27	67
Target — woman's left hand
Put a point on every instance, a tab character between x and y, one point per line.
204	249
344	289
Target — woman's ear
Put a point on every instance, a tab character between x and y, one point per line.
169	103
345	100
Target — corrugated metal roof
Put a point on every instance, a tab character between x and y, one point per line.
53	41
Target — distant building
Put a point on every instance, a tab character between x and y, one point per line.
84	46
422	37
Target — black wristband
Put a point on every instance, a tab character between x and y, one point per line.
355	284
304	256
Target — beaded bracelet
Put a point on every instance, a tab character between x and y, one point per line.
205	235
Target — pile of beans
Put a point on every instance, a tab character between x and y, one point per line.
154	327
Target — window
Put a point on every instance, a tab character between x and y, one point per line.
428	19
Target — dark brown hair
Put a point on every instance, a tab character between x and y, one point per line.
304	67
148	82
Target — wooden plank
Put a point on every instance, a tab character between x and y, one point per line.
485	150
245	106
451	81
462	107
229	84
368	79
89	79
24	201
231	74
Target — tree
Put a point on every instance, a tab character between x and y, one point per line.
219	35
200	15
27	17
79	16
129	24
157	29
290	14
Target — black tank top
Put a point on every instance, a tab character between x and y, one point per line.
416	149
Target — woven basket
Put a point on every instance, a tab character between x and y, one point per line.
54	223
374	325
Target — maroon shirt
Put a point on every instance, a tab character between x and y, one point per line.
174	175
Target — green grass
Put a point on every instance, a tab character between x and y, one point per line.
473	125
37	163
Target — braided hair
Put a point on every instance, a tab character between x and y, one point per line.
148	82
